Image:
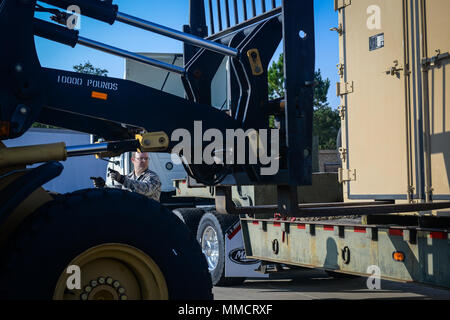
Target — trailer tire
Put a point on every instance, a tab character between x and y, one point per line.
216	226
190	217
114	235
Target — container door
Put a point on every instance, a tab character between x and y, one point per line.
438	42
372	90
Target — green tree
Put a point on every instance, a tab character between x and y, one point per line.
88	68
326	121
276	78
326	126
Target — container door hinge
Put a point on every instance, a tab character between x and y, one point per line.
343	154
429	193
339	30
342	110
344	88
345	175
340	4
410	192
340	67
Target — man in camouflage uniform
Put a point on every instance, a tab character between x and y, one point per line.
142	180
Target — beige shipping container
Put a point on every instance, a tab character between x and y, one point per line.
394	90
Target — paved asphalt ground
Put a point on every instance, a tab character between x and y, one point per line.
316	284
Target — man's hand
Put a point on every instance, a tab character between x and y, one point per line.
116	176
98	182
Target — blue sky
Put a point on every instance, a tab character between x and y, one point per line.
174	14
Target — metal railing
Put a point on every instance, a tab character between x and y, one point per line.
239	10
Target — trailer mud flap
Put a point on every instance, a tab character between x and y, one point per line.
236	262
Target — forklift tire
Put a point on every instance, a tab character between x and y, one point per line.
211	236
190	217
125	246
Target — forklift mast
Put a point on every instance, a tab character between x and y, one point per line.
117	109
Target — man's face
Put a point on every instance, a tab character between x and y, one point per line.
140	162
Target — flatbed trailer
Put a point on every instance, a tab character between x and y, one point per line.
392	252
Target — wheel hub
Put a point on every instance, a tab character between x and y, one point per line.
104	288
114	272
210	247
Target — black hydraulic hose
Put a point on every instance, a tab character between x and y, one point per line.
55	32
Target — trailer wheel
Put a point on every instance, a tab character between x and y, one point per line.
190	217
125	245
211	236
